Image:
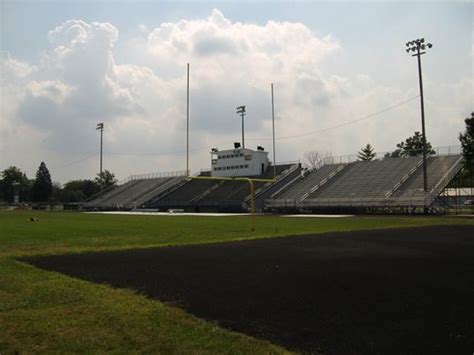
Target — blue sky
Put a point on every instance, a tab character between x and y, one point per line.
360	65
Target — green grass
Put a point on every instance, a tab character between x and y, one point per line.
48	312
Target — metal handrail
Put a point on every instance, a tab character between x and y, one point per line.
322	182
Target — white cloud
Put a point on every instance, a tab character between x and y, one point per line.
78	83
14	69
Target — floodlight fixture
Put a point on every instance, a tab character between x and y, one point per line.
240	109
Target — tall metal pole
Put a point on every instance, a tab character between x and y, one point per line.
423	132
187	124
100	126
243	139
273	129
241	112
101	145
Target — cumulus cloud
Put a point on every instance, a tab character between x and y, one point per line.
223	50
79	82
14	69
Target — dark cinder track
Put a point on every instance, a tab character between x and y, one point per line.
392	291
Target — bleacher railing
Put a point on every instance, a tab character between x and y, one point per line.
166	174
344	159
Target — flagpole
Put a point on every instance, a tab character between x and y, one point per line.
187	123
273	129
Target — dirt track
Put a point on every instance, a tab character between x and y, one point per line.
386	291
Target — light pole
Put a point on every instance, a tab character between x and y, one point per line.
241	112
419	46
100	126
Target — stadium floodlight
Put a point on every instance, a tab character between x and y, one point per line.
419	46
100	126
241	111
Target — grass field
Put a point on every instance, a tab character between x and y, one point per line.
47	312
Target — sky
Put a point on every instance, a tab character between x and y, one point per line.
341	78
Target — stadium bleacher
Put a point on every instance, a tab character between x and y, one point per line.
183	196
218	195
367	178
290	194
239	190
132	193
440	170
378	183
386	182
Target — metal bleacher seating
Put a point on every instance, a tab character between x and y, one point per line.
146	196
440	170
134	191
184	194
290	195
367	179
216	194
389	182
386	182
237	191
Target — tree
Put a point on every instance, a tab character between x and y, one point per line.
366	153
314	159
79	190
14	182
42	187
105	179
467	144
412	147
56	192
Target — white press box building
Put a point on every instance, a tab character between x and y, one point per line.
239	162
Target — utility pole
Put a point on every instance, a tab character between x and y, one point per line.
419	46
241	112
100	126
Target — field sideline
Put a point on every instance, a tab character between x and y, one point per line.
45	312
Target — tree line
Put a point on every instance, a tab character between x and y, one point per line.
411	147
15	187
